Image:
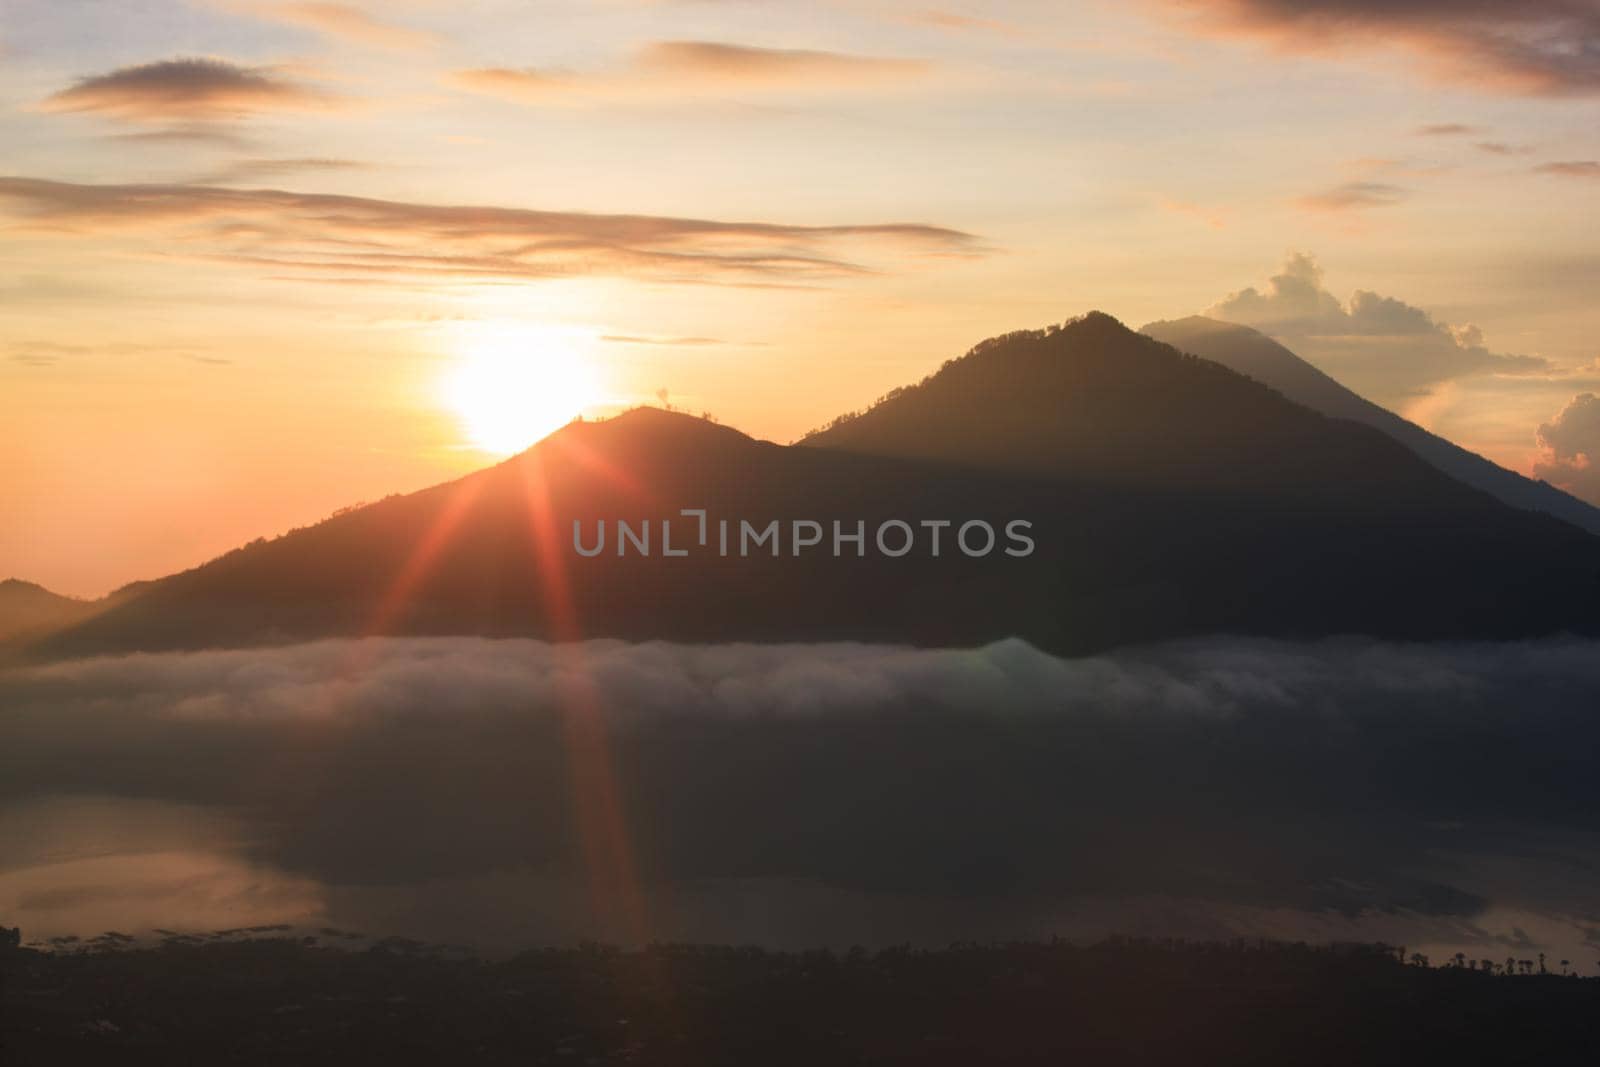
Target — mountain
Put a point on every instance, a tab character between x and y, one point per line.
493	554
1093	402
1257	356
1167	496
29	608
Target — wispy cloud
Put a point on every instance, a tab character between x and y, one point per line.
40	353
200	133
1215	218
1572	168
1500	148
1457	129
717	63
1532	47
959	23
666	342
348	23
186	90
668	69
520	85
1389	167
360	238
251	170
1353	196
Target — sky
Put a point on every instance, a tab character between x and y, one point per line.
261	260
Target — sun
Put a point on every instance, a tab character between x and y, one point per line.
511	386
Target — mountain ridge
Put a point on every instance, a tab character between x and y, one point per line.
1256	355
1169	497
1091	399
28	606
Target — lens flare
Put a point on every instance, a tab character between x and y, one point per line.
511	386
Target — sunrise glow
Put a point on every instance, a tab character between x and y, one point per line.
912	532
510	387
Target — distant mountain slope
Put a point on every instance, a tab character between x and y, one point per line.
1093	402
29	608
1168	497
492	553
1255	355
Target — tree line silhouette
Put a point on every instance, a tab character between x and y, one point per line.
266	994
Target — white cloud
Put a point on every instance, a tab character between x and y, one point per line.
1382	347
1571	448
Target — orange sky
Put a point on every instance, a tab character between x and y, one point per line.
263	260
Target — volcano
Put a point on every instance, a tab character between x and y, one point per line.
1258	356
1164	496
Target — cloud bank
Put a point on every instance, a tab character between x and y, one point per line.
349	237
1382	347
1333	781
1530	47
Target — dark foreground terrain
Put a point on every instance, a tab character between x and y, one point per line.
285	1001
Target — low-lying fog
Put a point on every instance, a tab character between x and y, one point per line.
510	793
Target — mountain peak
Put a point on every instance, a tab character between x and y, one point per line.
28	606
1091	401
1091	326
656	418
1197	324
648	425
1095	319
23	587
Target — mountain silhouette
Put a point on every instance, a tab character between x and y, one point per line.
1167	496
493	553
1258	356
1093	402
26	607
